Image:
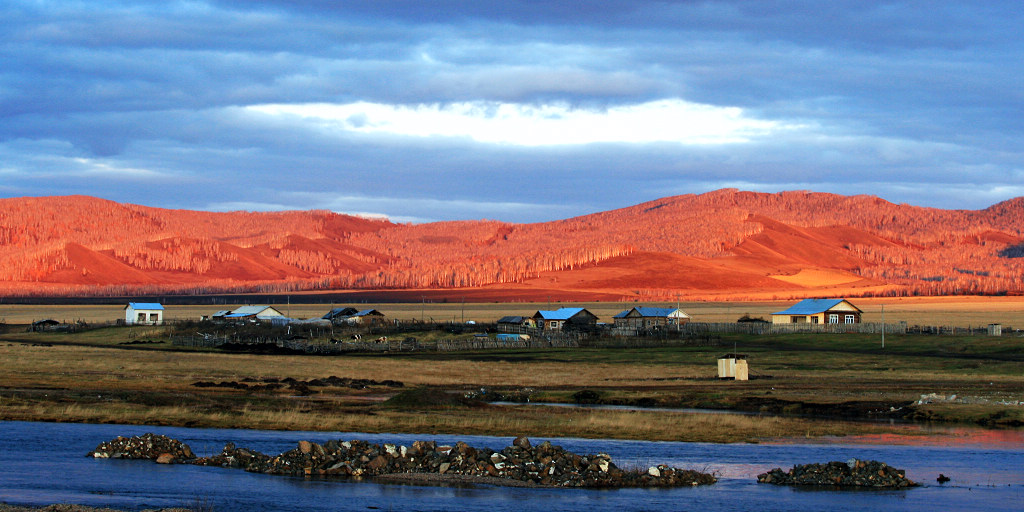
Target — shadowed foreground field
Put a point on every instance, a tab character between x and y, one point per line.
810	384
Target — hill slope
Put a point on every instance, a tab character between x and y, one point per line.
725	243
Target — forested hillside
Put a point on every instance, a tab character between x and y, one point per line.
795	243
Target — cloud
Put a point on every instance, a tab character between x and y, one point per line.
415	210
520	111
670	120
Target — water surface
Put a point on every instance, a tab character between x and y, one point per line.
43	463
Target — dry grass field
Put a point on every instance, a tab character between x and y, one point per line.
938	311
93	376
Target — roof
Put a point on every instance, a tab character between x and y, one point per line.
511	319
733	355
249	310
560	313
811	307
346	311
367	312
652	312
223	312
145	305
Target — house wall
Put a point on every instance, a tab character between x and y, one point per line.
820	318
134	316
842	315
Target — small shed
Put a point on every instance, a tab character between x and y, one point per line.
733	366
48	324
366	317
144	313
513	322
995	329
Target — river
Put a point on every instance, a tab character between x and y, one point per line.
44	463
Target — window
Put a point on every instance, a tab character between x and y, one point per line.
814	319
833	318
154	317
142	317
850	319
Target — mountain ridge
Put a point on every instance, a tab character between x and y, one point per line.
721	244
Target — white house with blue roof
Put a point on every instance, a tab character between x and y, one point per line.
558	319
144	313
643	317
819	311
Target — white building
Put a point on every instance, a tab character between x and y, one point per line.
144	313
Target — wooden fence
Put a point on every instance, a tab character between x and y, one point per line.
762	328
345	347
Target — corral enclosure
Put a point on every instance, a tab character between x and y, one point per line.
933	311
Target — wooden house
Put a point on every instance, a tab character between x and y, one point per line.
819	311
339	315
562	318
641	317
514	322
366	317
143	313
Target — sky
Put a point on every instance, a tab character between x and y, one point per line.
520	111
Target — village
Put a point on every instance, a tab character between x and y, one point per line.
347	329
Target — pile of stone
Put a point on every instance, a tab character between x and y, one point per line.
162	449
852	473
544	465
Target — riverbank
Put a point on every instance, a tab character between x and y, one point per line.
63	507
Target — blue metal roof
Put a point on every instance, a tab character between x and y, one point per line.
810	307
559	314
660	312
650	312
145	305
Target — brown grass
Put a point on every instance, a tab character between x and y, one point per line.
511	421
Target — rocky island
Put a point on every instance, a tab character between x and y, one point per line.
520	464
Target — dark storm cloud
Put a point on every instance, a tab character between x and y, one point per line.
913	101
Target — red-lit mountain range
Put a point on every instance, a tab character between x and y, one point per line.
723	244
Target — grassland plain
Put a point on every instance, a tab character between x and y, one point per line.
91	376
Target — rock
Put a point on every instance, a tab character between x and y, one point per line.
146	446
853	473
165	458
376	464
942	478
305	446
653	471
522	442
